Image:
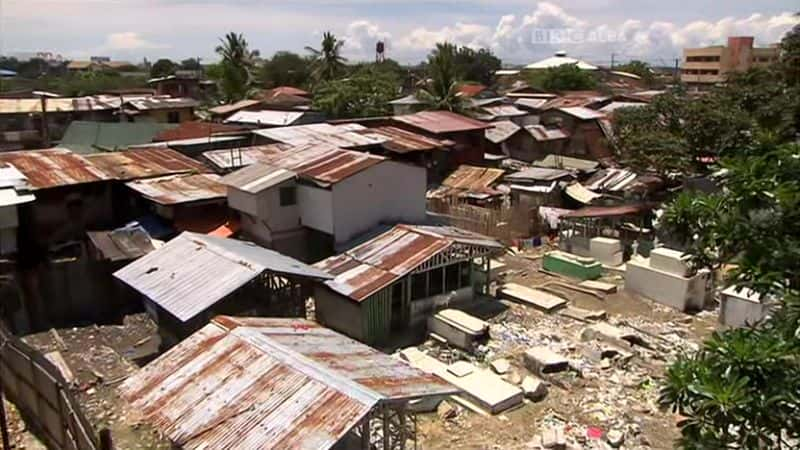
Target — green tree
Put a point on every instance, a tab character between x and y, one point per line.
327	63
286	69
162	68
790	56
365	93
640	68
441	91
478	66
567	77
236	67
742	390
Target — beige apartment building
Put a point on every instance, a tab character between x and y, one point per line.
710	65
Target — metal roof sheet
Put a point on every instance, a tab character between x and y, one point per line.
290	90
229	108
542	133
582	113
407	100
539	174
194	130
128	242
613	106
567	162
86	137
533	103
14	187
504	111
145	163
388	257
404	141
257	177
472	178
192	272
162	102
64	104
560	59
224	388
322	164
344	136
608	211
437	122
501	131
53	167
611	179
176	189
265	117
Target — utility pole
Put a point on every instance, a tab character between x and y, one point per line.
612	60
677	69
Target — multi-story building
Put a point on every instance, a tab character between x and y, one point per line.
710	65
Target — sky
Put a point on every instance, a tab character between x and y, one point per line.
518	31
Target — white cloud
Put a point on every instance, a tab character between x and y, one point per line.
360	39
129	40
549	28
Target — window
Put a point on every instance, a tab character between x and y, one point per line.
288	196
173	117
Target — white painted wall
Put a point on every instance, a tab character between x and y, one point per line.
242	201
387	192
278	218
316	207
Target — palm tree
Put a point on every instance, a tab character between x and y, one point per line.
442	87
237	64
327	64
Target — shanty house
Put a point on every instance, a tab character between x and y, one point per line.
310	201
538	186
279	384
587	129
468	184
14	191
194	277
72	195
183	83
160	109
465	132
393	282
191	201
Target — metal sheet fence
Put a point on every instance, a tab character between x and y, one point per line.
37	388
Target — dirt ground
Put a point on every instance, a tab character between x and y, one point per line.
585	402
590	399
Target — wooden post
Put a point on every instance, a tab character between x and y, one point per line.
45	128
106	442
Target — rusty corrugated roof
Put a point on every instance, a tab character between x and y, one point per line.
437	122
53	167
229	108
290	90
379	262
322	164
404	141
237	388
472	178
177	189
194	130
145	163
349	135
192	272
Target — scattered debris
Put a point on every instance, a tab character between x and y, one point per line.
543	301
534	388
501	366
542	360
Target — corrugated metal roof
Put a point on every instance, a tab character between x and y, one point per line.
128	242
85	137
542	188
176	189
322	164
581	194
437	122
229	108
162	102
582	113
567	162
145	163
613	106
14	187
192	272
533	103
265	117
501	131
611	180
407	100
235	389
194	130
539	174
608	211
290	90
344	136
404	141
560	59
64	104
388	257
503	111
542	133
472	178
53	167
257	177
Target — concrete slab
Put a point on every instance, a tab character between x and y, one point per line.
574	266
458	328
500	366
586	315
603	331
675	291
741	307
606	288
606	250
541	360
541	300
461	368
670	261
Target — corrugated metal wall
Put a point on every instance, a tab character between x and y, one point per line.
377	316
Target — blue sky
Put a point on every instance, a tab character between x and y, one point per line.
593	30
